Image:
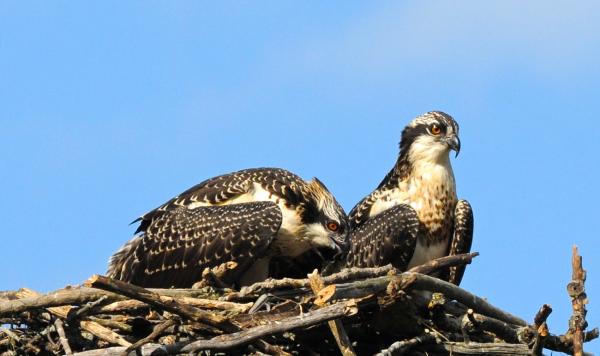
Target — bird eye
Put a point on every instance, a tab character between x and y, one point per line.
435	129
333	226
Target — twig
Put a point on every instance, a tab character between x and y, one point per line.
564	343
158	330
451	291
443	262
154	299
8	295
477	348
86	308
132	304
62	337
229	341
540	339
216	276
172	306
354	273
89	326
336	326
63	297
542	315
401	347
344	275
411	280
576	289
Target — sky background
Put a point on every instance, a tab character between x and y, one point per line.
108	109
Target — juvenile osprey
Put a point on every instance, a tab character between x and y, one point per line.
247	216
414	215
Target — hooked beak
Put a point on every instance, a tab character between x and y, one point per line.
341	246
454	143
335	253
340	249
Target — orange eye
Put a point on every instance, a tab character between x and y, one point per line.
436	130
333	226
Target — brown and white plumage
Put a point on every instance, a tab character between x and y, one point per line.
249	217
420	186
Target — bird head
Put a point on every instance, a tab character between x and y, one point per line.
326	224
430	137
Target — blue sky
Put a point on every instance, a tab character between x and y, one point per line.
108	109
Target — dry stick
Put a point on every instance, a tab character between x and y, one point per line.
214	276
400	347
62	337
443	262
342	276
542	315
172	306
476	348
350	274
336	326
58	298
576	290
540	339
154	299
132	304
8	295
564	343
90	326
541	329
499	328
156	332
86	308
411	280
229	341
111	324
472	301
81	295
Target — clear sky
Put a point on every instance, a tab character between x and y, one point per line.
107	109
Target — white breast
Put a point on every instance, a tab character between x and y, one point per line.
425	253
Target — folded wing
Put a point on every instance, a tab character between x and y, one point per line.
389	237
177	244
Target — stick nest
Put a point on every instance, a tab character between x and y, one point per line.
362	311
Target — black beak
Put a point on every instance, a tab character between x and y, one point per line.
454	144
341	247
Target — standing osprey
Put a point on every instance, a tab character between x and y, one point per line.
414	215
247	216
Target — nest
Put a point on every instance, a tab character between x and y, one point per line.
360	311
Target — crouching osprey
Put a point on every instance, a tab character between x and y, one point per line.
414	215
247	216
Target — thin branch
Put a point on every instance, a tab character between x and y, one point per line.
542	315
89	326
230	341
401	347
336	326
154	299
443	262
576	289
156	332
62	337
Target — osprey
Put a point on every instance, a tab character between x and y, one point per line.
248	217
414	215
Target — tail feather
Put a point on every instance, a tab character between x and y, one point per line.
123	262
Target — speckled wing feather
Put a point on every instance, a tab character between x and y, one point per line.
178	244
218	190
389	237
360	213
462	239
